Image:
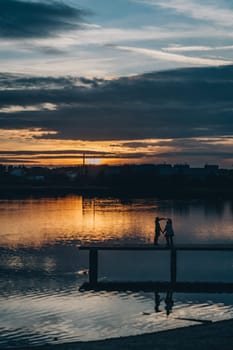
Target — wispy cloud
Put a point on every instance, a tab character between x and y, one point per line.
161	55
210	11
18	108
180	48
108	35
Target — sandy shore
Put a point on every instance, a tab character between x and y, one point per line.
212	336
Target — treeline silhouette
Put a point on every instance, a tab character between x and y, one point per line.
132	179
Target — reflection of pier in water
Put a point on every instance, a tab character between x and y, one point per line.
172	284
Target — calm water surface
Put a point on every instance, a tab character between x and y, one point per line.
41	268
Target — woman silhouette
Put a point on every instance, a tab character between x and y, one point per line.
169	232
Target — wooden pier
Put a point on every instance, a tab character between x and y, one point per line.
210	287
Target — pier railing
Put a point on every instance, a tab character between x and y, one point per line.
156	285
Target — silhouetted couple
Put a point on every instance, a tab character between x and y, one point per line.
168	231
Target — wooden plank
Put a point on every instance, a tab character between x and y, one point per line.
124	247
206	247
187	247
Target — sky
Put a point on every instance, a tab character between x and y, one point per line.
123	81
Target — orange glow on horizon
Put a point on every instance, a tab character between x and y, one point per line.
37	147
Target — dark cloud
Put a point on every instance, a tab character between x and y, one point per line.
35	156
27	19
16	161
17	83
52	51
192	154
54	152
194	102
189	149
137	144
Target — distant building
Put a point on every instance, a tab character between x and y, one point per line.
211	166
71	175
37	178
17	171
211	169
112	170
165	170
181	169
2	169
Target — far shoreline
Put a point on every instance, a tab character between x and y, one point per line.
22	191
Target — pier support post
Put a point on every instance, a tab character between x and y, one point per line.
173	265
93	266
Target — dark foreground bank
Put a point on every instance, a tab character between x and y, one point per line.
213	336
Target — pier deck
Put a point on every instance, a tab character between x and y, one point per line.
160	286
194	247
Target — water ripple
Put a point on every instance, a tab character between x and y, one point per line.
61	316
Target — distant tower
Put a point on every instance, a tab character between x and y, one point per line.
84	165
84	160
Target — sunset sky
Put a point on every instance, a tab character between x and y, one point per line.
123	81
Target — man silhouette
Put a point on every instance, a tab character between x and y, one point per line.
169	233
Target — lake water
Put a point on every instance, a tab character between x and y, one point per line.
41	268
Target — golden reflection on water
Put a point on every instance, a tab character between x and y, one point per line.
35	222
74	219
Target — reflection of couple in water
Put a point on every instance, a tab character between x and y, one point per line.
168	231
168	302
